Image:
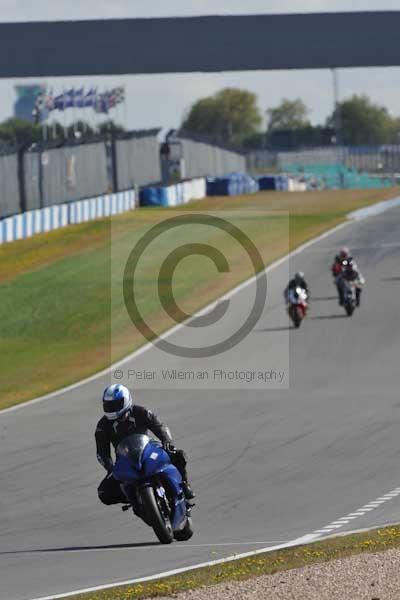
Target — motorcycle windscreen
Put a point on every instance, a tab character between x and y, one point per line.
132	448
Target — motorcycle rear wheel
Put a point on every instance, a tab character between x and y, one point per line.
160	523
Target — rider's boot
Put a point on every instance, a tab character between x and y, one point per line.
187	490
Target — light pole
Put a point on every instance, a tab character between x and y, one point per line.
338	124
337	116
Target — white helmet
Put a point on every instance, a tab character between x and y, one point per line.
117	400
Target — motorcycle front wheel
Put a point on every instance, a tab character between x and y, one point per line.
186	533
296	316
154	513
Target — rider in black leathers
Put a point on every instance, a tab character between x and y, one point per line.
297	281
133	419
345	268
351	272
337	271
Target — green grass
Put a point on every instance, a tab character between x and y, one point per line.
269	563
62	316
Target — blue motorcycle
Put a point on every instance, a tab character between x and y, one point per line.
153	487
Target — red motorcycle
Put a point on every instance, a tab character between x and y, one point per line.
297	305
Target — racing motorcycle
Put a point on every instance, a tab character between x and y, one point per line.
349	291
153	487
297	305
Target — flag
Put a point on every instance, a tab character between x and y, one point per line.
49	101
90	98
79	98
102	103
119	93
69	98
38	108
58	102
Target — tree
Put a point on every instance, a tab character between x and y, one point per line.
288	115
18	132
109	126
230	116
363	123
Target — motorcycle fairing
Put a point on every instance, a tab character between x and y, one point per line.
141	462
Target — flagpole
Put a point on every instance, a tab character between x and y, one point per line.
53	113
42	120
65	116
117	107
94	116
125	109
106	107
74	110
85	125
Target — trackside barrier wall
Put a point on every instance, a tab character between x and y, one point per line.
75	172
65	174
9	188
174	195
372	159
137	160
49	173
207	160
261	161
49	218
315	156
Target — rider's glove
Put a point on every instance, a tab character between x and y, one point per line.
168	447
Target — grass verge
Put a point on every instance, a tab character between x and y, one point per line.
377	540
61	302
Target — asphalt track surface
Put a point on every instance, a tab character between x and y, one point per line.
268	467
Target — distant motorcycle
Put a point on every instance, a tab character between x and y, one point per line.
297	305
153	486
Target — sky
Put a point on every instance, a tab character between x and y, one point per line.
161	100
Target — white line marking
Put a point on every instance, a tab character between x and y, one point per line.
306	539
359	513
318	531
179	326
353	248
297	542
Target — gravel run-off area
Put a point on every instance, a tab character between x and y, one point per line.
359	577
